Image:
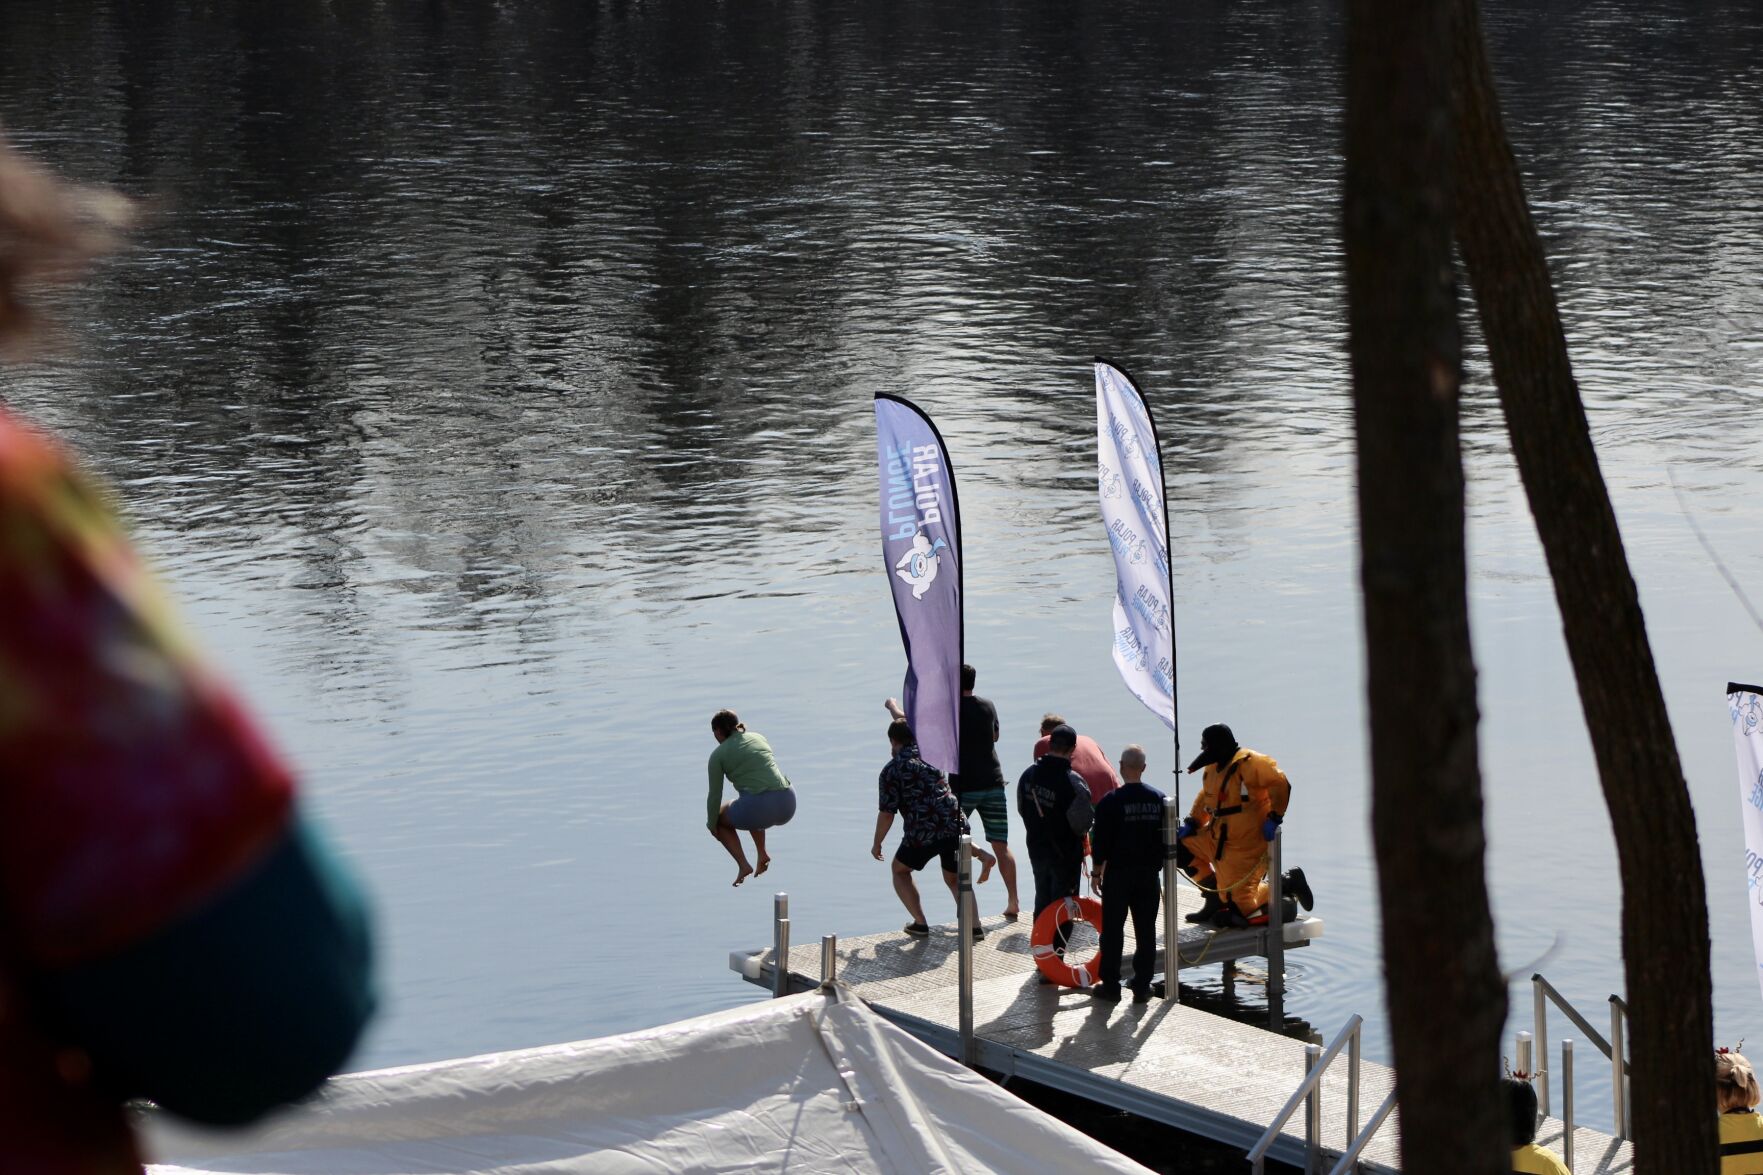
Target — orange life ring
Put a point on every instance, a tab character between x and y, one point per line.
1053	965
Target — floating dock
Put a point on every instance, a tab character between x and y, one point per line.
1194	1070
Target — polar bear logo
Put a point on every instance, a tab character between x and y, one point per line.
918	566
1109	482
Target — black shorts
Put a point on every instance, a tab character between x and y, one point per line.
916	857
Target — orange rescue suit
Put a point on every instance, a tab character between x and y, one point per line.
1235	800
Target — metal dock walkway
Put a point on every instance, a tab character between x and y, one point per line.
1174	1064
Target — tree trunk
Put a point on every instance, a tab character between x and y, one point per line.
1664	905
1447	1001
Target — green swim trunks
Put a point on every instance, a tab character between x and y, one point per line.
994	812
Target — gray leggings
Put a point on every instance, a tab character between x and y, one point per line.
763	809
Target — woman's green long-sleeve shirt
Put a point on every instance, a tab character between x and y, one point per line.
746	760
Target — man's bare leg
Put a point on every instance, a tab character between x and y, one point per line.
1007	870
907	891
986	861
954	884
764	858
726	835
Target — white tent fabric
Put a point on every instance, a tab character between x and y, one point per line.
812	1083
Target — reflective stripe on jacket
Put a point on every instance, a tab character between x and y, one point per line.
1741	1143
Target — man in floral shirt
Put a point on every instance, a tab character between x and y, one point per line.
932	814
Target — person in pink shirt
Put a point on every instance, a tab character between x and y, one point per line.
1089	760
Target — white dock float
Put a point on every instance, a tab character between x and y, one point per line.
1199	1072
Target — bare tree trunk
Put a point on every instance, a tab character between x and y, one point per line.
1447	1001
1664	903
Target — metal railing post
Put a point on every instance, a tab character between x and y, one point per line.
1309	1095
1276	937
1171	918
1521	1063
1349	1160
1312	1113
780	945
1353	1085
829	959
964	924
1567	1102
1618	1071
1541	1010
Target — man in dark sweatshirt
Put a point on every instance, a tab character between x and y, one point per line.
1054	803
1127	847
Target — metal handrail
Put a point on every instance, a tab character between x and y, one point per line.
1543	993
1572	1013
1350	1156
1347	1037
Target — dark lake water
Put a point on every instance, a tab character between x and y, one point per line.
493	386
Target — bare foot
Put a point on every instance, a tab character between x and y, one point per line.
746	872
763	862
986	861
1011	913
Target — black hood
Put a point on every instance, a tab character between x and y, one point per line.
1217	745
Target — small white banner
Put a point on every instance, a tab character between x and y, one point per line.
1130	481
1746	704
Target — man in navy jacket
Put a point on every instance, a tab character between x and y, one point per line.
1054	803
1127	847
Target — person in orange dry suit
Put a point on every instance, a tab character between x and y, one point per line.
1223	842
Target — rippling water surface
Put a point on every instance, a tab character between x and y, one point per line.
493	385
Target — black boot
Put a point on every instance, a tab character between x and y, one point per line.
1207	911
1295	885
1288	908
1229	917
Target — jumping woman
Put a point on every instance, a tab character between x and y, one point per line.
763	797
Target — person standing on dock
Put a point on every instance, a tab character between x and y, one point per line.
1054	803
1088	759
1241	805
1128	854
979	783
764	797
920	795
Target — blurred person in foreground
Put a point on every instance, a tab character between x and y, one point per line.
170	927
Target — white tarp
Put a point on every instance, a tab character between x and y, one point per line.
811	1083
1747	735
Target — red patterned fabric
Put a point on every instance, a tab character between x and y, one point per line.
132	786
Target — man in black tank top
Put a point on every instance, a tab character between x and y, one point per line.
979	781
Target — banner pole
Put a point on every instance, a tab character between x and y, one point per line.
921	531
1172	947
